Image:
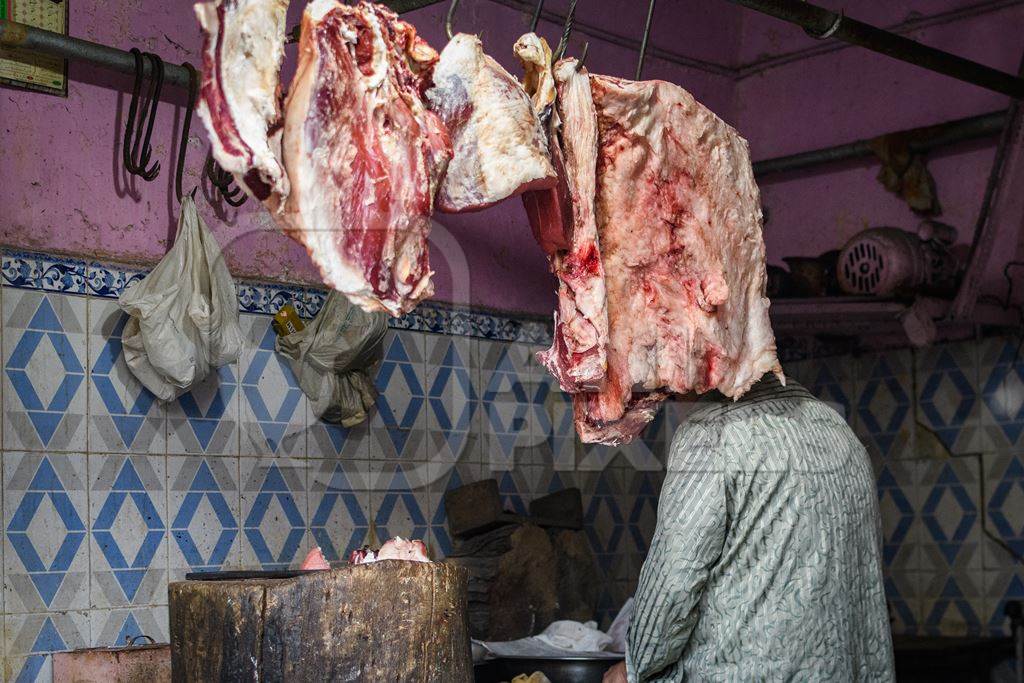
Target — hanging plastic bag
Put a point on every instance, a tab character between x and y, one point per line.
184	314
332	358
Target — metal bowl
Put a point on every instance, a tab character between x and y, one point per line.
558	670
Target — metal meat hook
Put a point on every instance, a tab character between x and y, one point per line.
193	91
583	56
570	18
222	180
135	161
449	18
830	31
643	43
538	9
536	16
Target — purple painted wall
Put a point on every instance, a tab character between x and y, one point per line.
848	94
64	189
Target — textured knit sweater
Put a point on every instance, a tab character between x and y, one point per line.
765	564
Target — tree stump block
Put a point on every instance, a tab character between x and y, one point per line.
386	621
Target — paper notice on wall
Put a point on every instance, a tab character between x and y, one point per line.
28	70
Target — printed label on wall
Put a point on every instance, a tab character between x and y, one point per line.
26	69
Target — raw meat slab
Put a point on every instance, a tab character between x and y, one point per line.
500	149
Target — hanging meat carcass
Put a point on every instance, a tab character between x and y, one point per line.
564	222
239	96
351	169
499	143
363	153
676	245
534	54
679	220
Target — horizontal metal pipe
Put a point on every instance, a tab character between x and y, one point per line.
24	37
932	137
32	39
910	25
820	22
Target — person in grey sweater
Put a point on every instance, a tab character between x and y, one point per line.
765	563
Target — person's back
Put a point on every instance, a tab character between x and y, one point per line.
765	562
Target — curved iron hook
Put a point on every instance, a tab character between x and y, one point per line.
450	18
154	100
141	160
830	31
583	57
570	18
643	43
536	16
135	161
222	180
129	124
193	91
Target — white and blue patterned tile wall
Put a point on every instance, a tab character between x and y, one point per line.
108	494
944	429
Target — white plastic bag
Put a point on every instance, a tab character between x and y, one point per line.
332	358
184	314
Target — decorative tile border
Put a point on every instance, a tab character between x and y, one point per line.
31	270
461	321
40	271
110	282
268	299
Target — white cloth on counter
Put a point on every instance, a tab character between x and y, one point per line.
575	636
568	639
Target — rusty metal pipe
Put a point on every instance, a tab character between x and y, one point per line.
941	135
822	23
32	39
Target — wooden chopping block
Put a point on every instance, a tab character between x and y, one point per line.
386	621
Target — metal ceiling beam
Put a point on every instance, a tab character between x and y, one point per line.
930	137
744	70
822	23
24	37
1001	209
915	23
